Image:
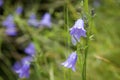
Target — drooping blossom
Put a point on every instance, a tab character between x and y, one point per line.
24	71
1	3
30	49
33	21
22	67
19	10
46	20
71	61
77	31
10	26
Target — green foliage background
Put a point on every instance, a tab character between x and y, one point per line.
54	45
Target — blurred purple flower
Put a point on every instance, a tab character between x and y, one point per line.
19	10
32	16
22	68
24	71
71	61
10	26
17	66
77	31
9	22
30	49
11	31
33	21
1	3
46	20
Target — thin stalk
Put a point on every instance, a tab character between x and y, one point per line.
67	25
86	12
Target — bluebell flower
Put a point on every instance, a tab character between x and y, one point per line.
19	10
1	3
9	21
71	61
77	31
10	26
11	31
33	21
46	20
17	65
24	71
22	67
30	49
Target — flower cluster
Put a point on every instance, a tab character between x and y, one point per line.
10	26
76	32
22	68
45	21
9	23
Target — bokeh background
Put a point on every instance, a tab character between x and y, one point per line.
53	44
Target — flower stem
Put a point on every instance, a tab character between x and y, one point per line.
86	12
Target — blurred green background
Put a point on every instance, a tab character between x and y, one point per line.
53	45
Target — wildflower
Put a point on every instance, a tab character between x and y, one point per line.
19	10
77	31
1	3
33	21
17	66
30	49
11	31
71	61
46	20
10	26
9	21
22	67
24	71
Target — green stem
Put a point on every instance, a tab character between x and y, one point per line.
86	12
85	60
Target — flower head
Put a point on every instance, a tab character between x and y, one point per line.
71	61
17	65
10	26
24	71
19	10
77	31
11	31
1	3
46	20
30	49
33	21
22	67
9	22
